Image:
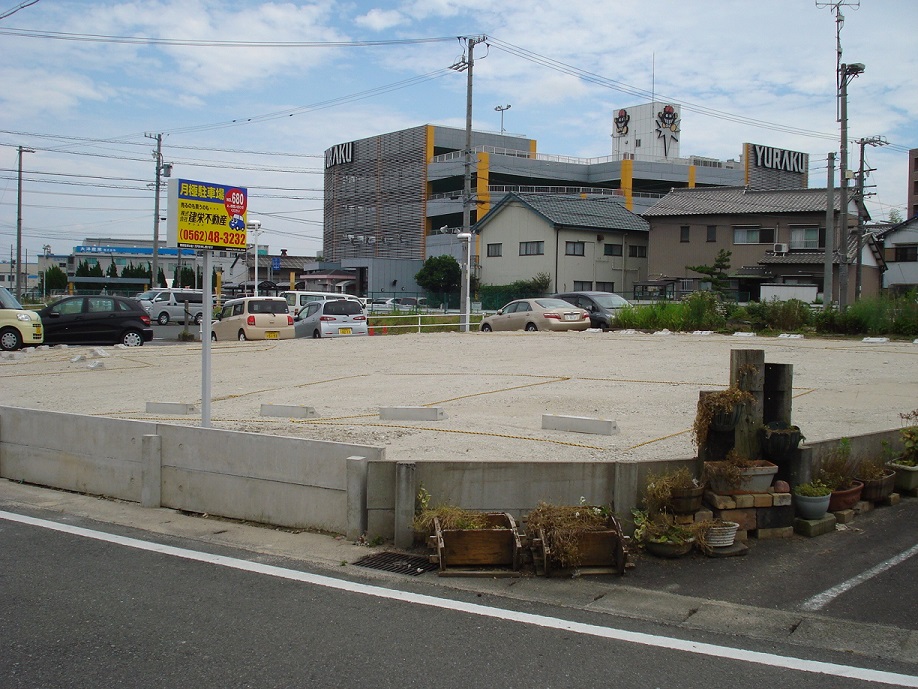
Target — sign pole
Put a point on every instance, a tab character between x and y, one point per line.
205	343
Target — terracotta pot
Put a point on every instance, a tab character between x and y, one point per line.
878	489
845	499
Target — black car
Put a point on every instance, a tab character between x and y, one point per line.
602	306
98	319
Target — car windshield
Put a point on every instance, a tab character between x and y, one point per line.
609	301
268	306
7	300
553	303
148	296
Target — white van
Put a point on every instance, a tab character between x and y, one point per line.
168	304
297	299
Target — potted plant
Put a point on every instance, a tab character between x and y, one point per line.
567	537
779	439
811	499
716	533
719	411
879	480
906	464
837	471
676	491
736	474
660	535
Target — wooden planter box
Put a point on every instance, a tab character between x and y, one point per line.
489	552
600	552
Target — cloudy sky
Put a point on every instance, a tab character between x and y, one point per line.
252	93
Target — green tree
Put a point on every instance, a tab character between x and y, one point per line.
717	272
55	279
440	274
895	216
112	270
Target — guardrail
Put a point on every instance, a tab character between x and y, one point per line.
418	321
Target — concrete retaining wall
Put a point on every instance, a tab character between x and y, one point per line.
277	480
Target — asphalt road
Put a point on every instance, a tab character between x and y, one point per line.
77	611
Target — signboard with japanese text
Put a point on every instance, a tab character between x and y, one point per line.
205	215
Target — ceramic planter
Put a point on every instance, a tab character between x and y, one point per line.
878	489
756	479
845	499
668	548
811	507
906	476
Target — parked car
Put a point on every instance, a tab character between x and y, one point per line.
544	313
100	319
339	318
166	305
18	326
297	299
253	318
602	306
380	305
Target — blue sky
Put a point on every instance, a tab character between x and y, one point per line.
82	82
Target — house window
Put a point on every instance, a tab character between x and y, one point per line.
712	233
574	248
495	250
605	286
532	248
635	251
802	237
753	234
583	286
637	143
907	253
684	233
612	249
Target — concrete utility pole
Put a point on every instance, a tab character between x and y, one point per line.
158	156
830	234
19	227
862	172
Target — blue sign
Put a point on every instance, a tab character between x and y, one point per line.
275	263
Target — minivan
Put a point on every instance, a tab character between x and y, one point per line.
168	304
297	299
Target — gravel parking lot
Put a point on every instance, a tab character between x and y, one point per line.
493	388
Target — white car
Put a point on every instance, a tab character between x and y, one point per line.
338	318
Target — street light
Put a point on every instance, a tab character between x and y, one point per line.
845	74
254	226
501	109
466	238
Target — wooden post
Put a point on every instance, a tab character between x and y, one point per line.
747	372
779	388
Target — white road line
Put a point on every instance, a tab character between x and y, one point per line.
821	600
669	643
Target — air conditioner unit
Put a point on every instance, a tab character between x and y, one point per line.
781	248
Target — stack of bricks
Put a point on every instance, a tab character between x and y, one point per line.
759	515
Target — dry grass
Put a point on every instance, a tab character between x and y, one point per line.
561	525
451	518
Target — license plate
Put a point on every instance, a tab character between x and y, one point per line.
272	335
572	316
38	331
344	331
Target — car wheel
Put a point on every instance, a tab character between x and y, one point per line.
531	327
316	335
163	318
132	338
485	328
242	337
198	318
10	339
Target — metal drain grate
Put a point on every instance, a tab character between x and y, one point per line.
412	565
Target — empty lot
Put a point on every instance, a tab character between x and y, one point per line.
492	387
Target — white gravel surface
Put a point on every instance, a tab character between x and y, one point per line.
493	388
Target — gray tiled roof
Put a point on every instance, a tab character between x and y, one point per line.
739	200
584	212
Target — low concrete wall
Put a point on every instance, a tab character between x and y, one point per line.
278	480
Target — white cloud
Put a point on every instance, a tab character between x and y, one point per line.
380	20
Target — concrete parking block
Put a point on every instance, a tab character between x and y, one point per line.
177	408
412	413
289	411
579	424
815	527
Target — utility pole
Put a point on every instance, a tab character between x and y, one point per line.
158	157
830	235
862	173
19	226
462	65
